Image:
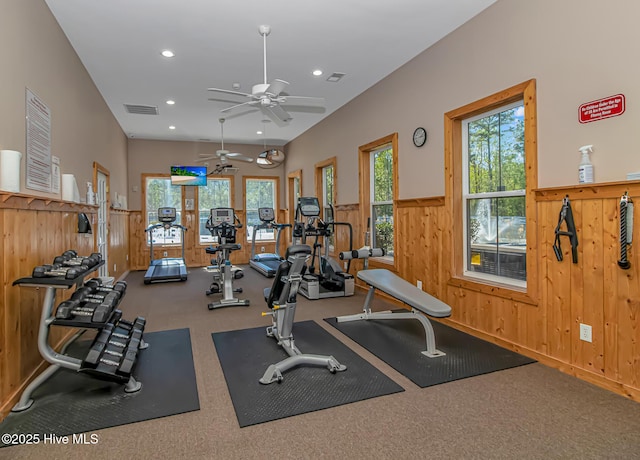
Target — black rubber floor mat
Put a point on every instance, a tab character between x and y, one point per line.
71	403
399	343
245	355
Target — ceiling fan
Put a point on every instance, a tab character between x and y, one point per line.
223	155
270	97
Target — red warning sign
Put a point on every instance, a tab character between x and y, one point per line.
602	108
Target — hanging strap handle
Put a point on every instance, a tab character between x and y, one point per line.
626	227
566	215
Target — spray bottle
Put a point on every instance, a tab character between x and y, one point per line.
585	170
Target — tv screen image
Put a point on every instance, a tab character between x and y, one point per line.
189	175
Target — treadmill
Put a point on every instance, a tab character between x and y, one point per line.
266	263
167	269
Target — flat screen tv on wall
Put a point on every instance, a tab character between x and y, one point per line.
189	175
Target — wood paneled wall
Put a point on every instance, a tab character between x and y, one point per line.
195	254
35	230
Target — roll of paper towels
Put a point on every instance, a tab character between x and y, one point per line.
70	190
10	170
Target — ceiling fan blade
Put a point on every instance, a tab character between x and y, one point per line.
238	105
303	101
279	116
276	87
241	113
205	159
228	91
240	157
219	99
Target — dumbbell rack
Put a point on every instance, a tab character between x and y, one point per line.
61	360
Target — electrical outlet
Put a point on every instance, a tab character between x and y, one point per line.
165	254
585	332
127	257
114	268
344	264
419	284
262	249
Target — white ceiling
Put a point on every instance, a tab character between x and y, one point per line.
217	44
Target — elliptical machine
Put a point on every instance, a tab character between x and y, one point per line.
223	224
329	280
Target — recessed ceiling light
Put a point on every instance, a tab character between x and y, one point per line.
258	132
317	72
170	102
172	127
168	53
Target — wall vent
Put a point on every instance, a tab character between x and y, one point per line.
141	109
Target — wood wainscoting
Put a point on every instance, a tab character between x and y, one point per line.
35	230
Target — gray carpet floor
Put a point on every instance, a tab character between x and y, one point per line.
528	412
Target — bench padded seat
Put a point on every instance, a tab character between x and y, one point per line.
391	284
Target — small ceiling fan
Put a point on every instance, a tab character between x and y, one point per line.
269	158
222	154
270	97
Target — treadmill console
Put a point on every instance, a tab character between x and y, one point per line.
309	206
167	215
220	215
266	215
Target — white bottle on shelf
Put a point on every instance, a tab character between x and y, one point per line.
585	170
91	197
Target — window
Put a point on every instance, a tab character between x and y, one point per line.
294	192
491	171
260	193
326	193
378	165
159	193
494	195
216	194
381	212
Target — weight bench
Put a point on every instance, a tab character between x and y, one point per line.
419	301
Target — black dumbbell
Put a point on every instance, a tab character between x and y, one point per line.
139	323
42	271
70	308
96	284
91	261
86	295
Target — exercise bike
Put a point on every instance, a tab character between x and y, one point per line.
223	224
281	300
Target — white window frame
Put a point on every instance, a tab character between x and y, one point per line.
209	239
372	202
262	235
160	234
466	197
